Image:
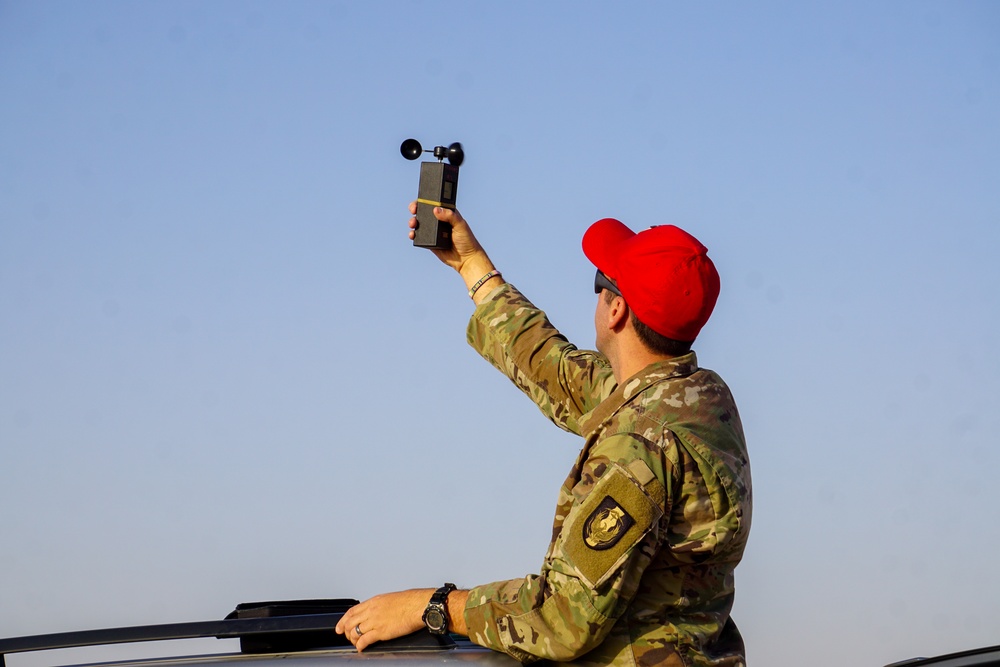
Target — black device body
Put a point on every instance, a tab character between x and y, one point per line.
438	187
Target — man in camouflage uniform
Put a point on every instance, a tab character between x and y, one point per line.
654	515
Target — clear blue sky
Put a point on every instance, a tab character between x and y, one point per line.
225	374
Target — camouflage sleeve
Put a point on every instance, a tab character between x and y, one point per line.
593	569
518	339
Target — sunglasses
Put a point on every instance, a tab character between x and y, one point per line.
602	282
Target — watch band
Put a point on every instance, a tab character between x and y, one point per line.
436	615
441	594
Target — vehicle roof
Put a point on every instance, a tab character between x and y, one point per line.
463	652
298	630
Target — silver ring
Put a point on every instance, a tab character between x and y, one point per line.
357	629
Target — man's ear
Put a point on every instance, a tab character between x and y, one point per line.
617	314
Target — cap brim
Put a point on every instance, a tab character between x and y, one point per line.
601	242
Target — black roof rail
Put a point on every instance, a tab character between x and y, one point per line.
261	628
987	656
226	629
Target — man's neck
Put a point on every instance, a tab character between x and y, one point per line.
631	356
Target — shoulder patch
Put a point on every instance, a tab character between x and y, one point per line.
606	525
603	528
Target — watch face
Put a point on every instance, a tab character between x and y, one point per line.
435	619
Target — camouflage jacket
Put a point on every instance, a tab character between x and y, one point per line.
651	521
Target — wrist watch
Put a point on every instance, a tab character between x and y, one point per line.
436	615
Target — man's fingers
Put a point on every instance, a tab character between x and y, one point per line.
449	215
360	640
360	618
359	637
349	624
366	640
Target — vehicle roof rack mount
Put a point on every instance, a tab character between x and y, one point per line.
262	627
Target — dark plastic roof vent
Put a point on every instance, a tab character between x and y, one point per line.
283	642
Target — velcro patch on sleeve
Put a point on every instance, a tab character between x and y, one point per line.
602	529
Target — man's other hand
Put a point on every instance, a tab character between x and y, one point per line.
385	617
394	615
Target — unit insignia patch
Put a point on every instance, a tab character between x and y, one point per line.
606	525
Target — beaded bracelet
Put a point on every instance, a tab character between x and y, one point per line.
481	281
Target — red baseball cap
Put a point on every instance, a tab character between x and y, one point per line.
664	274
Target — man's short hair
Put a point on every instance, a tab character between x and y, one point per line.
658	342
654	342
